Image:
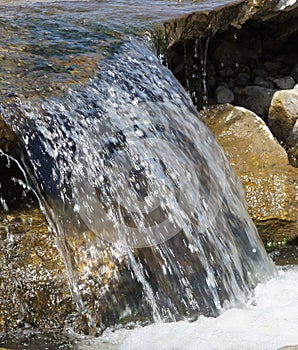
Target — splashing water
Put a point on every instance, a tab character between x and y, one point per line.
149	218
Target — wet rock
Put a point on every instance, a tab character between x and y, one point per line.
254	98
270	183
33	284
8	140
282	118
224	95
285	83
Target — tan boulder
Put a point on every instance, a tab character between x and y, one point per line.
270	183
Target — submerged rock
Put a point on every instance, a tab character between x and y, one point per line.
33	283
270	183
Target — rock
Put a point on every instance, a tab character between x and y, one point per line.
33	284
224	95
292	145
242	79
226	73
226	53
283	113
285	83
8	140
260	73
270	183
294	73
263	83
272	66
218	20
254	98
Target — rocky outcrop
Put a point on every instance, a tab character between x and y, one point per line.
246	44
234	15
283	120
270	183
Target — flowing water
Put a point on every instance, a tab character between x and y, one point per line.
148	217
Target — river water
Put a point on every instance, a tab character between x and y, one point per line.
268	321
80	56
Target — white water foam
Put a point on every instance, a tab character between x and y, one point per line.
269	321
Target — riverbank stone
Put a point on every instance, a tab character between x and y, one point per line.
269	182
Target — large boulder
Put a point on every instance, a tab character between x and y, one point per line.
270	183
233	15
282	120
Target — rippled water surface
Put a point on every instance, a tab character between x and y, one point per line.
45	45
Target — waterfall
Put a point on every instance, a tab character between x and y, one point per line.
148	216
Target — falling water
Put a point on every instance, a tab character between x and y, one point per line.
148	216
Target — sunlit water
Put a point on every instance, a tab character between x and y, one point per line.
268	321
103	124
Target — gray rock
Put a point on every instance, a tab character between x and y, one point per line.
242	79
254	98
271	66
228	54
260	72
261	82
294	73
224	95
227	72
285	83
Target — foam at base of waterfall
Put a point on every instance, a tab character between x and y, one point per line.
268	322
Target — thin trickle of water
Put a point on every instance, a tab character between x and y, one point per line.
148	216
204	55
186	63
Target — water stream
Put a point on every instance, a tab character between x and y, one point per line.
148	217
